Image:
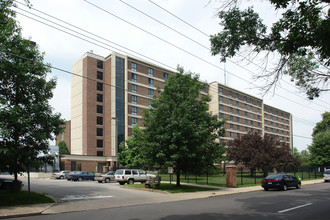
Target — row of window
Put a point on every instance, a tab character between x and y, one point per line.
245	98
231	110
270	110
276	130
99	108
237	105
277	124
276	118
134	88
150	72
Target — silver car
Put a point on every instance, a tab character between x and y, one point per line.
130	176
326	175
60	175
108	177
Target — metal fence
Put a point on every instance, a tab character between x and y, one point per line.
244	176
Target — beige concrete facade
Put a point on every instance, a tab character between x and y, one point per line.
109	95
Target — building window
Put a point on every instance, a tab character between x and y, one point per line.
221	115
238	135
220	90
231	134
246	121
258	103
149	102
237	96
99	86
99	97
251	107
99	75
99	120
99	143
221	107
237	111
251	130
133	66
245	99
245	113
259	124
99	64
99	153
237	119
231	118
246	129
99	131
134	88
237	127
251	100
231	110
230	102
230	94
150	72
251	115
165	76
150	82
99	109
134	121
237	103
151	92
134	77
134	110
259	117
231	126
251	122
245	106
134	99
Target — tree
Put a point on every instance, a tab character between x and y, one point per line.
320	148
131	154
300	40
253	151
27	122
180	132
63	148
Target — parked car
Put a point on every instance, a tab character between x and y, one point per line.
6	184
326	175
130	176
280	181
108	177
60	175
81	175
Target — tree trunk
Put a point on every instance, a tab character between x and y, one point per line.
15	175
178	178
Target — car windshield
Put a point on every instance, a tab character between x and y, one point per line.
327	172
274	177
119	172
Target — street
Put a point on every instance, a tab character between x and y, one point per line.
310	202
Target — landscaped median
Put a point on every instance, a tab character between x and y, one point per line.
8	198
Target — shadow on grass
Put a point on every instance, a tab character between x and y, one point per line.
22	198
172	188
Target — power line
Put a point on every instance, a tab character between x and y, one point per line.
98	7
228	59
92	38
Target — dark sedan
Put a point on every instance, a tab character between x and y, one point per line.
280	181
81	175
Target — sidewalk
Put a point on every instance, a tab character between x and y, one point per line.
18	211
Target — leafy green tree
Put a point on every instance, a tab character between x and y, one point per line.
253	151
131	154
300	40
180	132
320	148
63	148
27	122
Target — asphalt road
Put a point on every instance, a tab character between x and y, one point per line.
311	202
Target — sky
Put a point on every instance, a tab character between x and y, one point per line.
149	31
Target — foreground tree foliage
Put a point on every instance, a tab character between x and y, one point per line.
131	153
26	118
253	151
300	40
320	148
180	132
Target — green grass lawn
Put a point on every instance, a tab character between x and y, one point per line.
21	198
172	188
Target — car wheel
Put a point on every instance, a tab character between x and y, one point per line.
130	181
99	181
107	180
284	188
121	183
68	179
61	177
79	179
298	186
266	189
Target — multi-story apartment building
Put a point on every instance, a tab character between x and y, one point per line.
109	95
